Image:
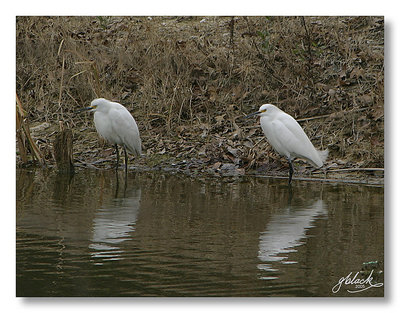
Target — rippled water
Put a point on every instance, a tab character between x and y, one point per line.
152	234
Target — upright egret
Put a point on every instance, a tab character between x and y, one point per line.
115	124
287	137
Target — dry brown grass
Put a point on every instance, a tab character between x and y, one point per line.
188	79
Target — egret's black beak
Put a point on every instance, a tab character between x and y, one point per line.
83	110
252	114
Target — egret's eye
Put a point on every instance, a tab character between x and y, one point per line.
94	106
262	111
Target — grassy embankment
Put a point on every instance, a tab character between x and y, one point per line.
188	80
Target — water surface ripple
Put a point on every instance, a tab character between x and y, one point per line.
150	234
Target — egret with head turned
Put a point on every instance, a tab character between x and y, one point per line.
287	137
116	125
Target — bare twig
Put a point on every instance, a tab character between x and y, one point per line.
61	86
231	30
303	21
356	169
22	127
59	47
327	180
329	115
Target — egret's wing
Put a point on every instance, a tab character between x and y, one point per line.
281	138
294	140
293	126
125	126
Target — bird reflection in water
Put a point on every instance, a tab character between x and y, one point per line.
285	232
114	222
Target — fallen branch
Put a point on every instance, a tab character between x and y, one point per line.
357	169
329	115
326	180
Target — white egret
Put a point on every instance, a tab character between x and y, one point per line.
115	124
287	137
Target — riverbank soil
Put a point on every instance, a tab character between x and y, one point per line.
188	81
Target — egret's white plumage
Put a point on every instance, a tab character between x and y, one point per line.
115	124
287	137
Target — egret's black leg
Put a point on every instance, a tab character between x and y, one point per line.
117	186
290	171
126	160
125	183
117	152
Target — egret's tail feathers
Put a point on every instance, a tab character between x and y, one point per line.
136	150
318	158
323	154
